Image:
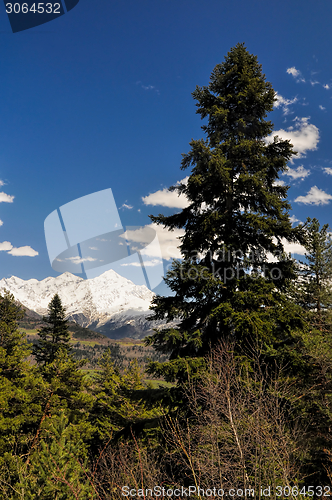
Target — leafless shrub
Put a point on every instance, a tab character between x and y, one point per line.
130	464
241	433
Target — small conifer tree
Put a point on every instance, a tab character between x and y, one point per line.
55	336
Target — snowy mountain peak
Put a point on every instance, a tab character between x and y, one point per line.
89	302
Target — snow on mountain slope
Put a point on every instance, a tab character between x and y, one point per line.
106	298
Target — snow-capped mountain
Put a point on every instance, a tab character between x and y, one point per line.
109	303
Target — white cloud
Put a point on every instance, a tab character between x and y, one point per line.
279	182
6	198
93	248
138	235
315	196
326	86
283	103
321	107
166	198
25	251
296	74
304	136
297	173
293	71
163	244
294	219
314	82
294	248
147	87
5	246
169	241
147	263
124	205
79	260
328	170
289	248
167	246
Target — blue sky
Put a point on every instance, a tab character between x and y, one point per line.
101	99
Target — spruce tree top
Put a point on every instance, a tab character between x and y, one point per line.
237	99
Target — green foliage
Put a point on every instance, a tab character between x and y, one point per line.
20	386
58	466
311	372
13	347
66	383
311	360
29	395
119	399
314	289
55	337
67	389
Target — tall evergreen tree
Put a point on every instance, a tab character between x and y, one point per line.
237	215
55	336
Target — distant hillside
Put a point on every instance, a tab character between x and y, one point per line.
34	321
91	345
